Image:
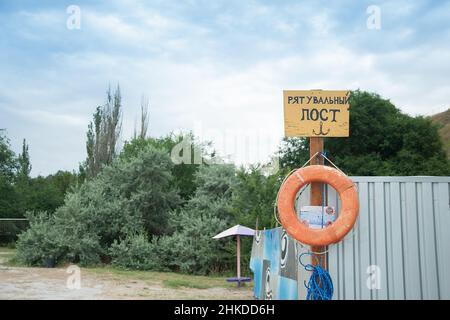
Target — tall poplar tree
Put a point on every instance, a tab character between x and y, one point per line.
103	133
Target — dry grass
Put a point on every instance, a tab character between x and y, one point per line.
168	279
107	282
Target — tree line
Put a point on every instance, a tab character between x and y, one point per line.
134	208
19	192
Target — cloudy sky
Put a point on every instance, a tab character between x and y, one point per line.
215	67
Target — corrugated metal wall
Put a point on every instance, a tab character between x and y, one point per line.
404	230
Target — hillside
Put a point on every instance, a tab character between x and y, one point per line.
443	119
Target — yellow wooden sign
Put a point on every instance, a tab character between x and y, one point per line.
316	113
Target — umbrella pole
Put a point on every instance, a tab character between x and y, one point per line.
239	259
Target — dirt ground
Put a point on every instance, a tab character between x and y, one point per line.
45	284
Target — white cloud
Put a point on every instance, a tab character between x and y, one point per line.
50	118
111	25
225	74
42	17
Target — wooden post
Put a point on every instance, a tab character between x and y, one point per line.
238	238
316	145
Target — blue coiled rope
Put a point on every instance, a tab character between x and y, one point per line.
320	285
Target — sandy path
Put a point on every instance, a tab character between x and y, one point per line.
43	284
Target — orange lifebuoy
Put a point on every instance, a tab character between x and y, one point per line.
345	220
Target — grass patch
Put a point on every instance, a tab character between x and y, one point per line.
13	262
168	279
179	283
8	257
7	250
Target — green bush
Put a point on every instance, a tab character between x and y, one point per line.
191	248
135	252
131	196
125	216
42	241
